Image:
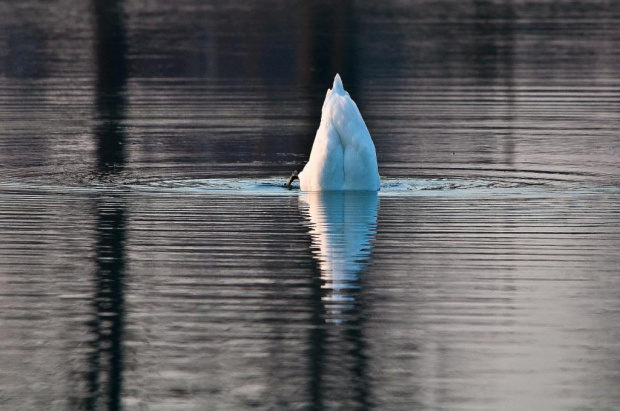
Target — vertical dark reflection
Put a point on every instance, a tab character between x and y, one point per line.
335	33
111	80
106	362
319	351
318	335
355	337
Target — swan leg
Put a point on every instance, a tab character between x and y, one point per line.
294	176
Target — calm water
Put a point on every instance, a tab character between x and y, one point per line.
151	259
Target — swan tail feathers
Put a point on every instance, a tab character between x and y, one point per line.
338	83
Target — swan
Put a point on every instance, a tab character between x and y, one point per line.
343	155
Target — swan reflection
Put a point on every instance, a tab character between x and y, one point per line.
342	225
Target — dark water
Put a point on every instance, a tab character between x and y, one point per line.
150	259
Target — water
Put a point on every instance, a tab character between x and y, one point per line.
150	257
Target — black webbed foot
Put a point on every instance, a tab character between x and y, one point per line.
292	178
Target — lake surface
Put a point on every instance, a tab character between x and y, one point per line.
151	259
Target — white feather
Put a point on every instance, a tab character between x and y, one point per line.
343	155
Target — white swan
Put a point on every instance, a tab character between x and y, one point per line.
343	155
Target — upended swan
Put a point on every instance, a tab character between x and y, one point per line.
343	155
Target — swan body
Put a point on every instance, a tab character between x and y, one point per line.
343	155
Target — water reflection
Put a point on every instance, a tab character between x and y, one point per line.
111	80
327	43
494	65
342	226
106	361
490	299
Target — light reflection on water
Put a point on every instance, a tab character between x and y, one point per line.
150	257
311	300
342	226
